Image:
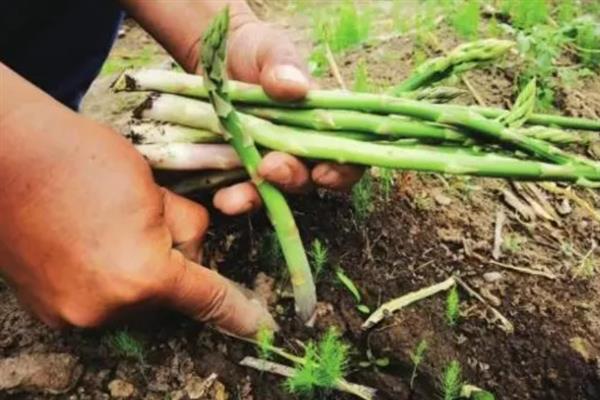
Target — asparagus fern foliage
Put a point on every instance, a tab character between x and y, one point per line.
213	57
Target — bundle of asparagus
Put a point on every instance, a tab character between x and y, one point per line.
358	128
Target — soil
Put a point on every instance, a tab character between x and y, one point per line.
430	228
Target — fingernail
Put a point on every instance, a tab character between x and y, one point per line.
290	73
281	175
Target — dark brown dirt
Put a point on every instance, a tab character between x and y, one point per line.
407	243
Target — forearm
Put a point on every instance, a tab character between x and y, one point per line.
178	25
43	144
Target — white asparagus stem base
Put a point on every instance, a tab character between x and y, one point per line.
401	302
151	132
186	157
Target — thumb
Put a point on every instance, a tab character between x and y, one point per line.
206	296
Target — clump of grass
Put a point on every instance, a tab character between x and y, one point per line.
451	381
417	358
127	346
526	14
362	198
323	364
452	307
466	19
341	27
319	257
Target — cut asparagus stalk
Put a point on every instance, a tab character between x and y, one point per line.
214	45
187	157
393	125
151	133
193	86
458	117
403	301
442	159
463	57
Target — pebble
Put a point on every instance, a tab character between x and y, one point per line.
492	277
120	389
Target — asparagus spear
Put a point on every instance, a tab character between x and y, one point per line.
461	58
214	45
490	129
392	125
450	160
193	86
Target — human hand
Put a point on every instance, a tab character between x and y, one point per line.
87	237
259	53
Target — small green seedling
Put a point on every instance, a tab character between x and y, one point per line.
417	358
125	345
452	307
362	198
319	257
322	366
265	338
513	242
373	361
352	288
452	381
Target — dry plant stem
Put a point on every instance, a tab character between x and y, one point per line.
193	86
506	325
419	158
334	68
523	269
568	193
473	91
363	392
403	301
214	46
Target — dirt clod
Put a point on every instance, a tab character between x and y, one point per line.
49	373
120	389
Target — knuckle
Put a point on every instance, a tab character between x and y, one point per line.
81	317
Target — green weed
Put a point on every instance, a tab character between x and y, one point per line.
452	307
362	198
127	346
417	358
451	381
374	362
466	19
265	338
526	14
324	363
319	257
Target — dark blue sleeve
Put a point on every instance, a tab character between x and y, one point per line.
58	45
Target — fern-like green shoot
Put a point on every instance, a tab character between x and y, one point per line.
417	358
333	358
452	381
265	338
361	78
305	380
319	257
452	307
466	20
362	197
125	345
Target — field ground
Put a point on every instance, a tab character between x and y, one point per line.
432	226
